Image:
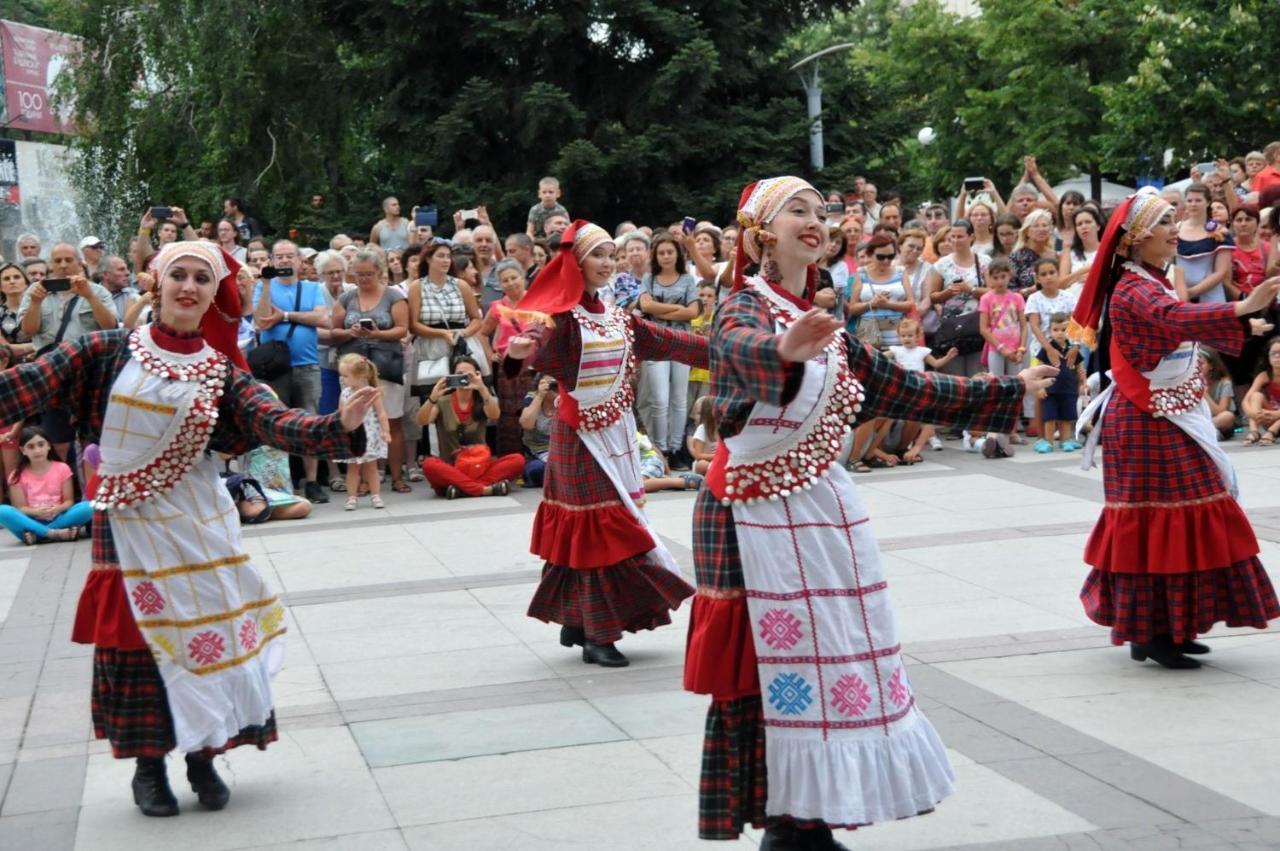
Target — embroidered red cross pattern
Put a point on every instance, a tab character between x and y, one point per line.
780	629
248	635
148	598
777	423
207	647
850	695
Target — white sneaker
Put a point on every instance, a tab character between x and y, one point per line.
968	443
935	444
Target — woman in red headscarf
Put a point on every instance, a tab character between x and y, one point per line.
1173	553
813	724
606	570
186	632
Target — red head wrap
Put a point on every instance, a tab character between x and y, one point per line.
559	286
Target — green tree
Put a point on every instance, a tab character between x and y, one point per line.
1204	86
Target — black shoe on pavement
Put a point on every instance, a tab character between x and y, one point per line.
1195	648
572	635
784	836
605	655
315	494
206	783
820	839
679	460
1162	651
151	790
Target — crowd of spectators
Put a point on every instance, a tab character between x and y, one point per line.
974	285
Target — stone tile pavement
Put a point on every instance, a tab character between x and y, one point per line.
420	709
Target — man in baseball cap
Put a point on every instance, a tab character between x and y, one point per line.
91	253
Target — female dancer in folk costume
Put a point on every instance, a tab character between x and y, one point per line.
792	597
186	631
606	570
1172	553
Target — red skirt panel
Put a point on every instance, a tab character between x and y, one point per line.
103	615
720	656
1152	460
1166	539
626	597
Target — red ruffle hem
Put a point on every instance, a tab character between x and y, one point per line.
1140	606
629	596
103	615
720	657
1173	538
588	536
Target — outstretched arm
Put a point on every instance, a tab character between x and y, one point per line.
659	343
250	415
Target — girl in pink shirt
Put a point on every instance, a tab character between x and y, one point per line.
41	494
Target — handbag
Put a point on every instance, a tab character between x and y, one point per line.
389	362
963	332
62	328
272	359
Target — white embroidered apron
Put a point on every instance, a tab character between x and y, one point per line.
1177	392
846	742
204	610
606	421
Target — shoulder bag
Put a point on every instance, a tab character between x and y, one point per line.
62	327
963	332
272	359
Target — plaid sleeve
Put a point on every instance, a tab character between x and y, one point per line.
659	343
253	416
53	380
744	347
978	404
1156	317
558	350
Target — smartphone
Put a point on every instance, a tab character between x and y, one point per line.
468	215
455	382
56	285
159	213
974	184
367	324
427	217
688	224
835	208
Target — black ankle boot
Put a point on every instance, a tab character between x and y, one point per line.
1194	648
151	790
605	655
206	783
820	838
1164	652
572	635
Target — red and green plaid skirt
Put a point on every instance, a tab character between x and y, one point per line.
131	708
608	601
511	392
1140	606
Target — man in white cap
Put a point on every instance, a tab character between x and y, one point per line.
91	253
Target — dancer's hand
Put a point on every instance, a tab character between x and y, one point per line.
1261	298
519	348
1038	379
1260	327
351	410
808	336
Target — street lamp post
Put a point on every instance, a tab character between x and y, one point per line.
812	83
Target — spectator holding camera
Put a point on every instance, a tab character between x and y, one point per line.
535	419
166	224
292	311
462	407
63	307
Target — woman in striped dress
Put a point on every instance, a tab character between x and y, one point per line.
606	570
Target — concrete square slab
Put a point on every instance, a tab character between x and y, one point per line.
508	729
657	714
346	567
432	671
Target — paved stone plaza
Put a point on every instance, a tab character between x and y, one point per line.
419	708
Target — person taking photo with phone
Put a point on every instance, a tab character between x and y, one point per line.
63	307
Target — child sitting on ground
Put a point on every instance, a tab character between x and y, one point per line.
1219	393
1262	402
655	472
915	357
1060	403
705	438
42	504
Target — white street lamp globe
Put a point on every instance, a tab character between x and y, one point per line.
926	136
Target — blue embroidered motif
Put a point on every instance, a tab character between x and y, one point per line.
790	694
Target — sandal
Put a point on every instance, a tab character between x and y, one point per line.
861	467
415	475
401	487
692	481
911	458
352	503
1267	439
30	539
338	484
452	492
877	463
376	501
501	489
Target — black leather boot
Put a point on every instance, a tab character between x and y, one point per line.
206	783
784	836
1163	651
1194	648
572	635
151	790
605	655
820	839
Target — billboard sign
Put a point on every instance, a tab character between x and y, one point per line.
33	58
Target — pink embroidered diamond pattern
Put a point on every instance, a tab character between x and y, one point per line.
147	598
850	695
248	635
207	647
898	692
780	629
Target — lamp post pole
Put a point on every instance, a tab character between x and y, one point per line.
812	82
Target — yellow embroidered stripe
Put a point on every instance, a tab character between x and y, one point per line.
1182	503
608	503
181	569
207	619
239	660
597	382
602	344
153	407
